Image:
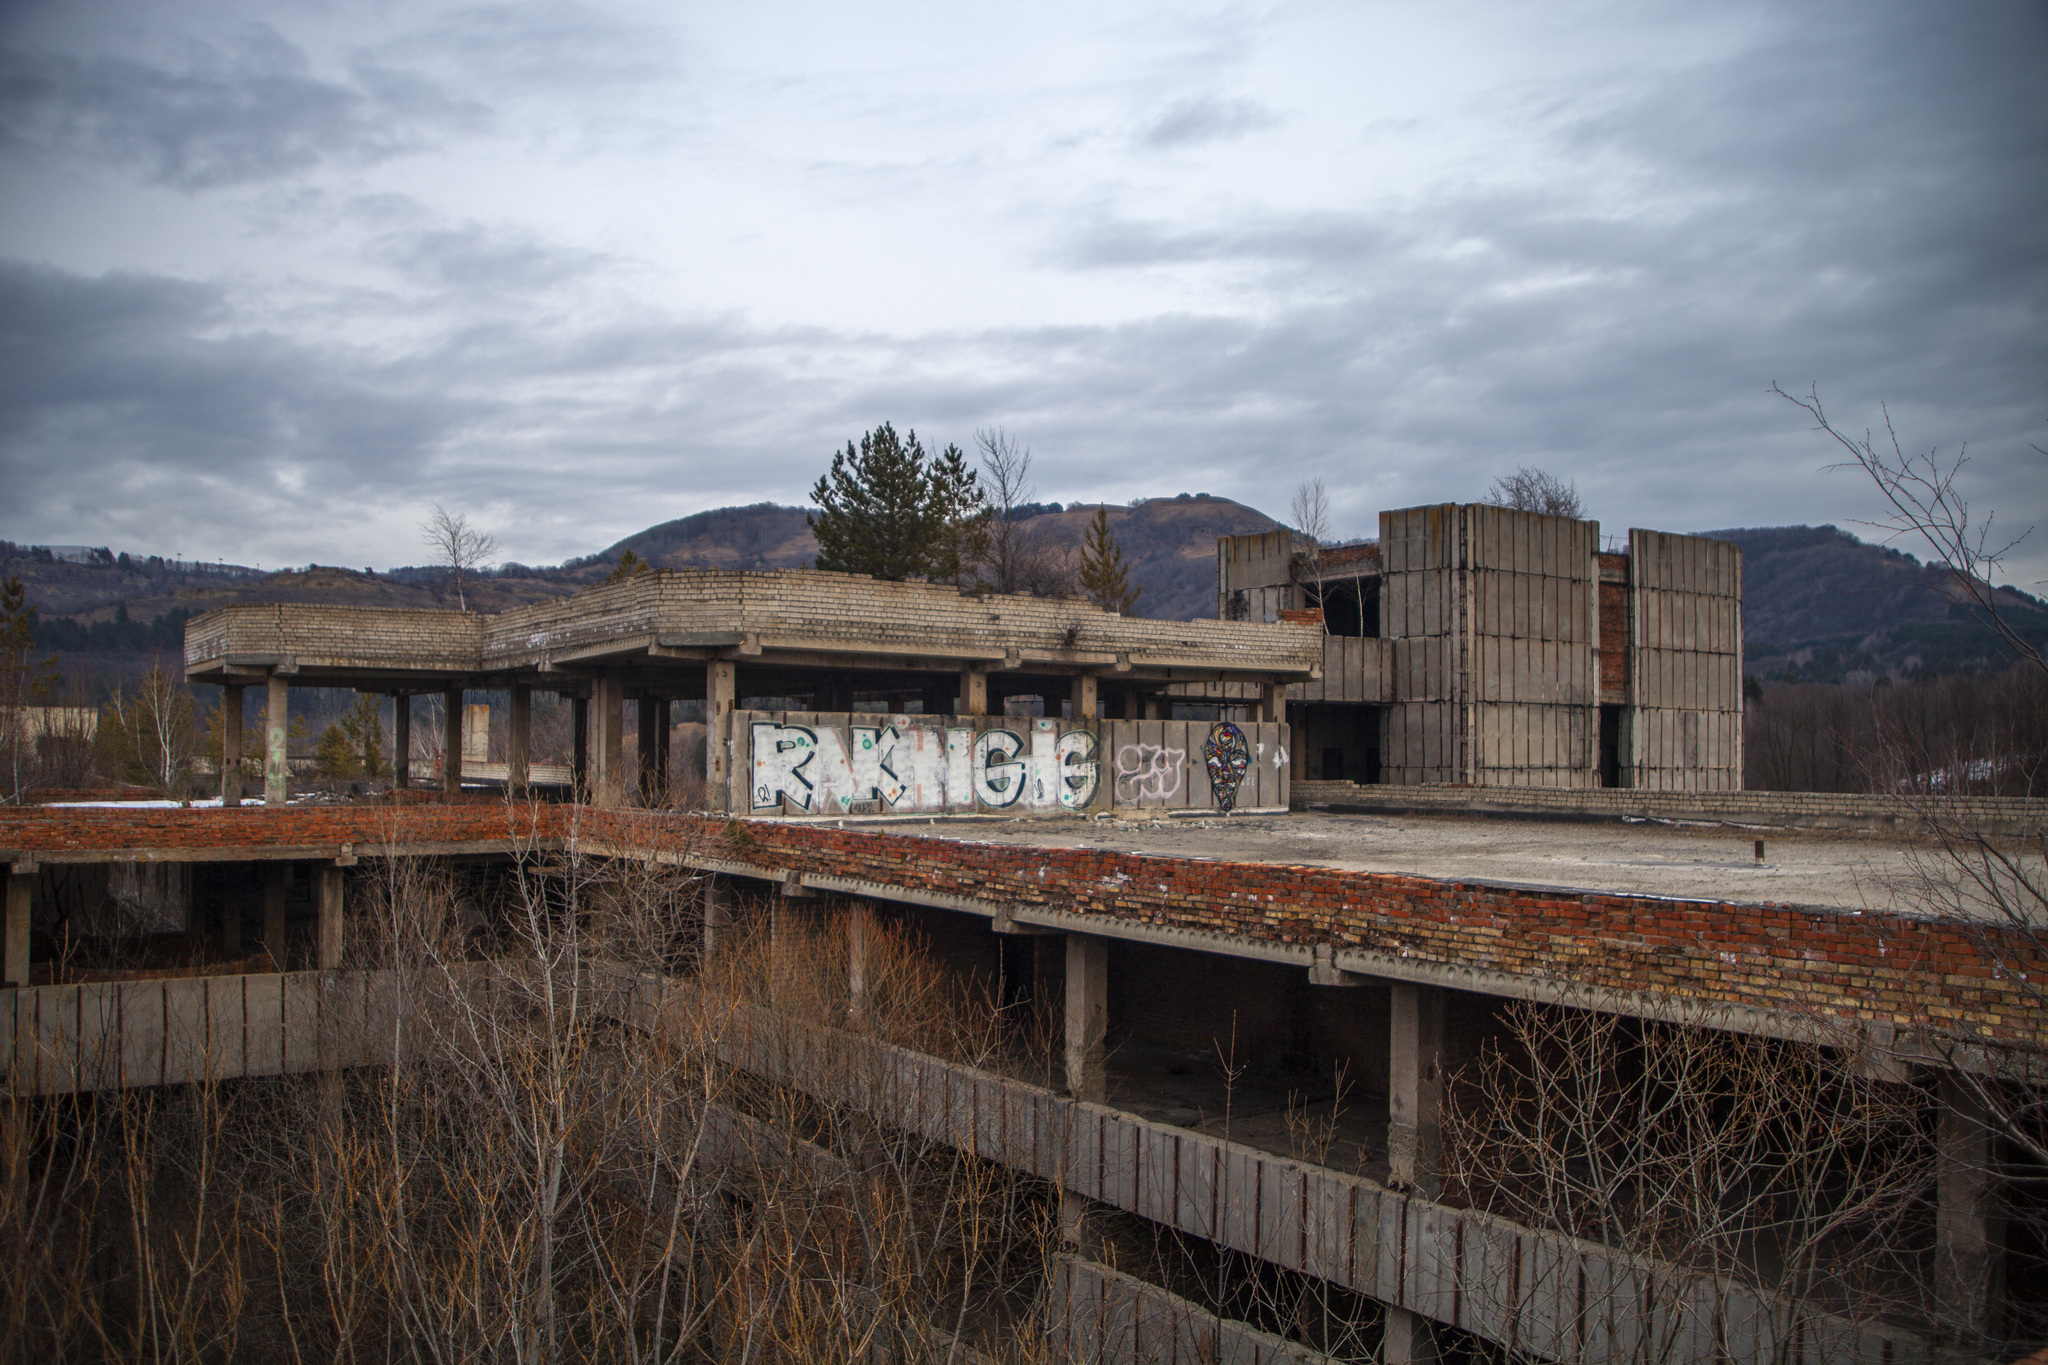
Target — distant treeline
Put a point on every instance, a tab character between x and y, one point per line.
122	635
101	557
1959	733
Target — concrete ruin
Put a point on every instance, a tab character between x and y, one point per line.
1482	646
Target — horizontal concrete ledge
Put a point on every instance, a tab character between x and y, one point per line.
283	853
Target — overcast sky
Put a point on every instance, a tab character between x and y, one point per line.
275	278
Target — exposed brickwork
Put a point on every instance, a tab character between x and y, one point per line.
1877	967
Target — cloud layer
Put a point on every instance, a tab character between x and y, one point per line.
269	289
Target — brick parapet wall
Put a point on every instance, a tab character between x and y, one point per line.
1889	969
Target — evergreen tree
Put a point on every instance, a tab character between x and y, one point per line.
363	725
884	509
1105	573
24	681
336	757
630	565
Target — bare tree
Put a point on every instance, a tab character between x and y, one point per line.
1006	470
1990	882
457	546
1310	511
1536	490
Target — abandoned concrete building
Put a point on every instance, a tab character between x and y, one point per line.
1490	647
837	705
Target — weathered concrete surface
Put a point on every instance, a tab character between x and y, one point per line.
1855	872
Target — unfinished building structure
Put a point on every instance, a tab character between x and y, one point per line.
1483	646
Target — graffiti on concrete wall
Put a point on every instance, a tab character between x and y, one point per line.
1148	773
1230	757
822	769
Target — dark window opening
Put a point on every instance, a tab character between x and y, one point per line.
1610	746
1349	608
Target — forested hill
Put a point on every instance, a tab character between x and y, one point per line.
1820	605
1171	543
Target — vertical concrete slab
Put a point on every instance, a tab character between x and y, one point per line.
276	730
186	1024
299	994
227	1020
1198	1180
231	746
1087	1016
519	739
263	1024
97	1040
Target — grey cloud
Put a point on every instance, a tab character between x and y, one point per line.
1206	118
253	112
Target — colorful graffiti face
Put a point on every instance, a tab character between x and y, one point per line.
1229	759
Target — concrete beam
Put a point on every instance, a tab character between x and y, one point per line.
519	739
21	880
1087	1017
1415	1089
230	746
451	741
327	886
276	765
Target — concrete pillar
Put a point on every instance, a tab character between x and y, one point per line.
717	916
608	741
1081	698
721	698
859	927
20	883
1273	702
973	692
401	739
276	769
451	741
1087	1016
519	739
327	896
1969	1236
273	914
579	746
1158	707
1415	1088
1409	1338
1133	707
230	746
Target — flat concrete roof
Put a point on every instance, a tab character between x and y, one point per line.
780	628
1837	870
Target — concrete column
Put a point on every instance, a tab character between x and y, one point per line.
519	740
273	914
327	896
721	698
1409	1338
1087	1016
717	917
401	739
1158	707
579	746
451	741
1133	704
859	926
20	883
1081	698
276	770
1969	1236
1273	702
230	746
1415	1088
973	692
608	741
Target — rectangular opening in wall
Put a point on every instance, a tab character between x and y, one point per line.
1349	608
1610	746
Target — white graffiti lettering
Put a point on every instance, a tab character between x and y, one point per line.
1077	769
999	774
1148	772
